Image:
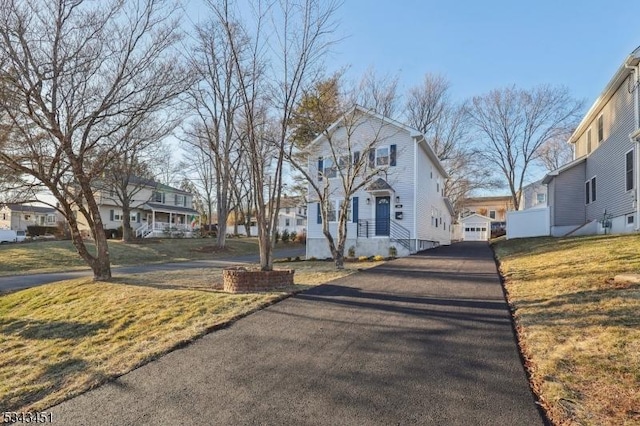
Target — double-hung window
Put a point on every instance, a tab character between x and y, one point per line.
382	156
330	170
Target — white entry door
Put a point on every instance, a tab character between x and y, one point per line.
476	231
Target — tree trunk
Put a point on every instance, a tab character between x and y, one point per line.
126	224
264	240
221	239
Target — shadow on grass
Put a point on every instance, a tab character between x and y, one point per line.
38	329
553	311
54	378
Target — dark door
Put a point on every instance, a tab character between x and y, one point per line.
383	214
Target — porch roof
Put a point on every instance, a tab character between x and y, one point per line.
170	209
379	185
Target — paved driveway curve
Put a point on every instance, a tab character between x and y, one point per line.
420	340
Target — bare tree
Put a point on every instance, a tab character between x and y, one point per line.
377	93
556	152
130	170
512	124
216	101
275	59
81	74
429	110
199	170
426	103
346	153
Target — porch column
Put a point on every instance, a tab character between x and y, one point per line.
170	219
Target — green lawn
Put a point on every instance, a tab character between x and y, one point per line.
579	330
59	340
56	256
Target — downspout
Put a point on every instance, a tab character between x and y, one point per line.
636	115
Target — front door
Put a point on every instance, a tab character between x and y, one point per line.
383	214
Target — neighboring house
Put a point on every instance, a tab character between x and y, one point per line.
19	216
292	215
157	210
494	207
533	195
600	187
403	207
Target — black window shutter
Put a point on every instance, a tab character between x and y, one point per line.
319	214
392	155
354	210
111	215
320	169
356	158
138	217
372	158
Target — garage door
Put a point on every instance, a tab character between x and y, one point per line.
476	232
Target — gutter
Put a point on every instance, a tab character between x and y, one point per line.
635	136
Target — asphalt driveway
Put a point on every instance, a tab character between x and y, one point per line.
420	340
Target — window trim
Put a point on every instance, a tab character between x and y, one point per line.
591	193
587	191
589	141
494	214
631	216
628	171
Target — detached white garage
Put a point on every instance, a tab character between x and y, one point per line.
476	228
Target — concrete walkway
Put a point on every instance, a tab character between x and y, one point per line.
19	282
421	340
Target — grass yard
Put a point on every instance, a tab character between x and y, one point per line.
56	256
580	331
61	339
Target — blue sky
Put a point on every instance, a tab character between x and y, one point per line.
482	45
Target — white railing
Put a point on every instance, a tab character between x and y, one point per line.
166	226
142	231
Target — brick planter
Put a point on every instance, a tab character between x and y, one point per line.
242	280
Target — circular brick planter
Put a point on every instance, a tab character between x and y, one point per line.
242	280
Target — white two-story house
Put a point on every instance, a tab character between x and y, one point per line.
403	206
157	210
599	190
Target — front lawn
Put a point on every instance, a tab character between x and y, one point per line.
59	340
579	331
57	256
